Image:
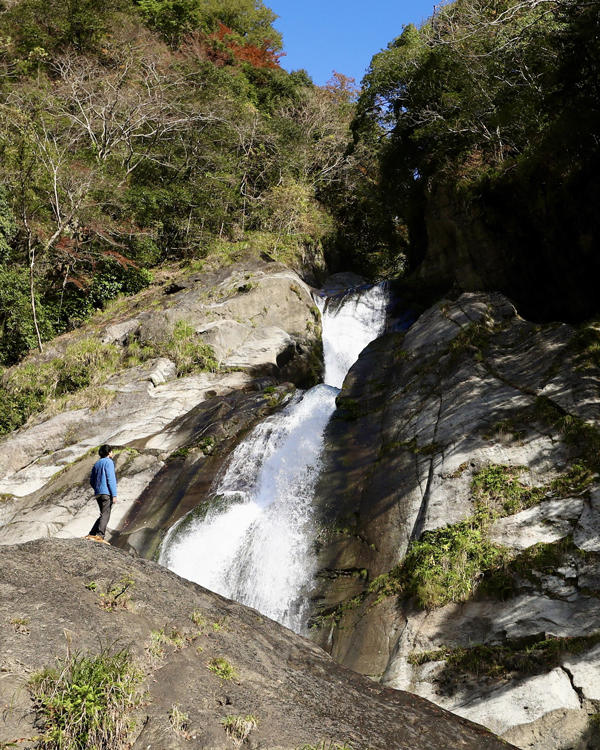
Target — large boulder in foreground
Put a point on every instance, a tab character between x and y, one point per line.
50	597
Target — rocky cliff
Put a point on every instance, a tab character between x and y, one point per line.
171	422
459	540
460	536
205	662
512	234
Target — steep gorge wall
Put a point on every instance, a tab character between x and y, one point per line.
530	235
470	443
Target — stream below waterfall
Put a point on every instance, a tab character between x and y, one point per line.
254	544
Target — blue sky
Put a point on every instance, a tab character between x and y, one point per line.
341	35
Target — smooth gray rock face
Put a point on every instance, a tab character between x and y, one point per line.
563	729
587	531
502	708
547	522
585	672
470	385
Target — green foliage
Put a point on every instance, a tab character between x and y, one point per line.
586	346
21	625
27	388
583	438
163	637
207	445
198	619
541	558
113	278
174	18
86	703
117	594
524	656
446	565
498	489
473	337
335	615
38	27
485	115
187	351
118	152
180	721
223	669
8	227
17	331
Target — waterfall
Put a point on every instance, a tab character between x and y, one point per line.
253	544
350	322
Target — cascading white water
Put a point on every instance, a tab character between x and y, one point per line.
254	543
350	322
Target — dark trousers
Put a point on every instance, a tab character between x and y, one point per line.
105	505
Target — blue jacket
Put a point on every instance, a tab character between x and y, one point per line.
103	478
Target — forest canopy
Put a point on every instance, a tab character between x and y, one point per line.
134	132
486	118
140	132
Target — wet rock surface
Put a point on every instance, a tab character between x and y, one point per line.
296	692
421	416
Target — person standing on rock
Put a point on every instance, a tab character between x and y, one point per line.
104	481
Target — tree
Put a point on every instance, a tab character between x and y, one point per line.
250	19
53	25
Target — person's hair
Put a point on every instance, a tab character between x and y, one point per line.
104	450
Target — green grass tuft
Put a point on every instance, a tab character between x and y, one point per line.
239	727
223	669
86	703
524	656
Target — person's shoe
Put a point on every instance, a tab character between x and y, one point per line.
97	538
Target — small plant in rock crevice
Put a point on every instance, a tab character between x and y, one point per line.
335	614
223	669
580	436
541	558
585	346
116	595
21	625
86	703
180	721
198	619
163	637
187	350
239	727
